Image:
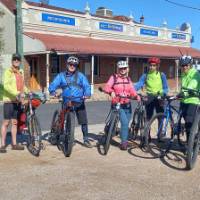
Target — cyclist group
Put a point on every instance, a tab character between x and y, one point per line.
74	83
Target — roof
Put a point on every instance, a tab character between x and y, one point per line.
116	18
10	4
109	47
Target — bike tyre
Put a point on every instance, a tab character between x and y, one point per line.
109	133
152	142
193	145
34	128
68	132
54	126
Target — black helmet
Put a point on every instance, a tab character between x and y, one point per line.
185	60
16	56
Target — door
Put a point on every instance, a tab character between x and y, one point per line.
34	74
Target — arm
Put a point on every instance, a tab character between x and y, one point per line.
54	84
138	85
164	84
86	86
108	88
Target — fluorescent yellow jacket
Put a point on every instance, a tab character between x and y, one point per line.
10	86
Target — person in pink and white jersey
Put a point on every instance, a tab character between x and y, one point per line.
120	84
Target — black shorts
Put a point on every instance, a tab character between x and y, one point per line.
81	113
10	111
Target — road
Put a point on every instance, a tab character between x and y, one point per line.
97	112
88	175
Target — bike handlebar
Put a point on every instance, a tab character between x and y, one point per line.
120	96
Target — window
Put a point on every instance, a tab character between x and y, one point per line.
55	69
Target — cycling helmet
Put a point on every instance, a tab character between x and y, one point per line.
185	60
154	60
73	60
122	64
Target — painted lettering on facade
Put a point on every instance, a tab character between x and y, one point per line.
178	36
148	32
46	17
110	27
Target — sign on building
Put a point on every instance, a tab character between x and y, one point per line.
148	32
178	36
110	27
46	17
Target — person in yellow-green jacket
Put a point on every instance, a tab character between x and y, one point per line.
156	85
13	86
190	79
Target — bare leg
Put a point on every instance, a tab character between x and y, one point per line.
4	128
14	131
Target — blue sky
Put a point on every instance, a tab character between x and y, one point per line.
154	11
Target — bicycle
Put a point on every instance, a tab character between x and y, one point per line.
63	126
193	145
111	127
139	120
160	131
29	124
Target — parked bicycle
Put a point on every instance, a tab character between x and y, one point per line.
160	131
163	124
112	124
63	126
193	145
29	124
138	121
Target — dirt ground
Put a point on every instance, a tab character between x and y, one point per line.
88	175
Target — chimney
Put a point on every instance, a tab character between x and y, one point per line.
142	19
102	11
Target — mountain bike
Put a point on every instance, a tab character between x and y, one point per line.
139	120
63	126
193	145
29	124
160	131
111	127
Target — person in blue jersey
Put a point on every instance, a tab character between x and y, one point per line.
155	83
74	84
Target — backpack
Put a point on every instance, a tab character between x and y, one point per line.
117	83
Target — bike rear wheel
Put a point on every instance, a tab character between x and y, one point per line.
157	135
67	138
53	136
193	145
34	143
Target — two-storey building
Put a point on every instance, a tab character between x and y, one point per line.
50	34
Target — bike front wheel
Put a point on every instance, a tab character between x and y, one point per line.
108	133
34	143
193	145
158	134
53	136
67	138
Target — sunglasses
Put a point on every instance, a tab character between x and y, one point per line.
123	68
16	59
184	65
71	64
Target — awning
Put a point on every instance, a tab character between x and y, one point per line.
82	45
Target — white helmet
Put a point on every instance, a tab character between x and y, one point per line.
122	64
73	60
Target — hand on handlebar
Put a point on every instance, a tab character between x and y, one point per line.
113	95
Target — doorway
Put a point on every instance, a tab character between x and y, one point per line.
34	74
